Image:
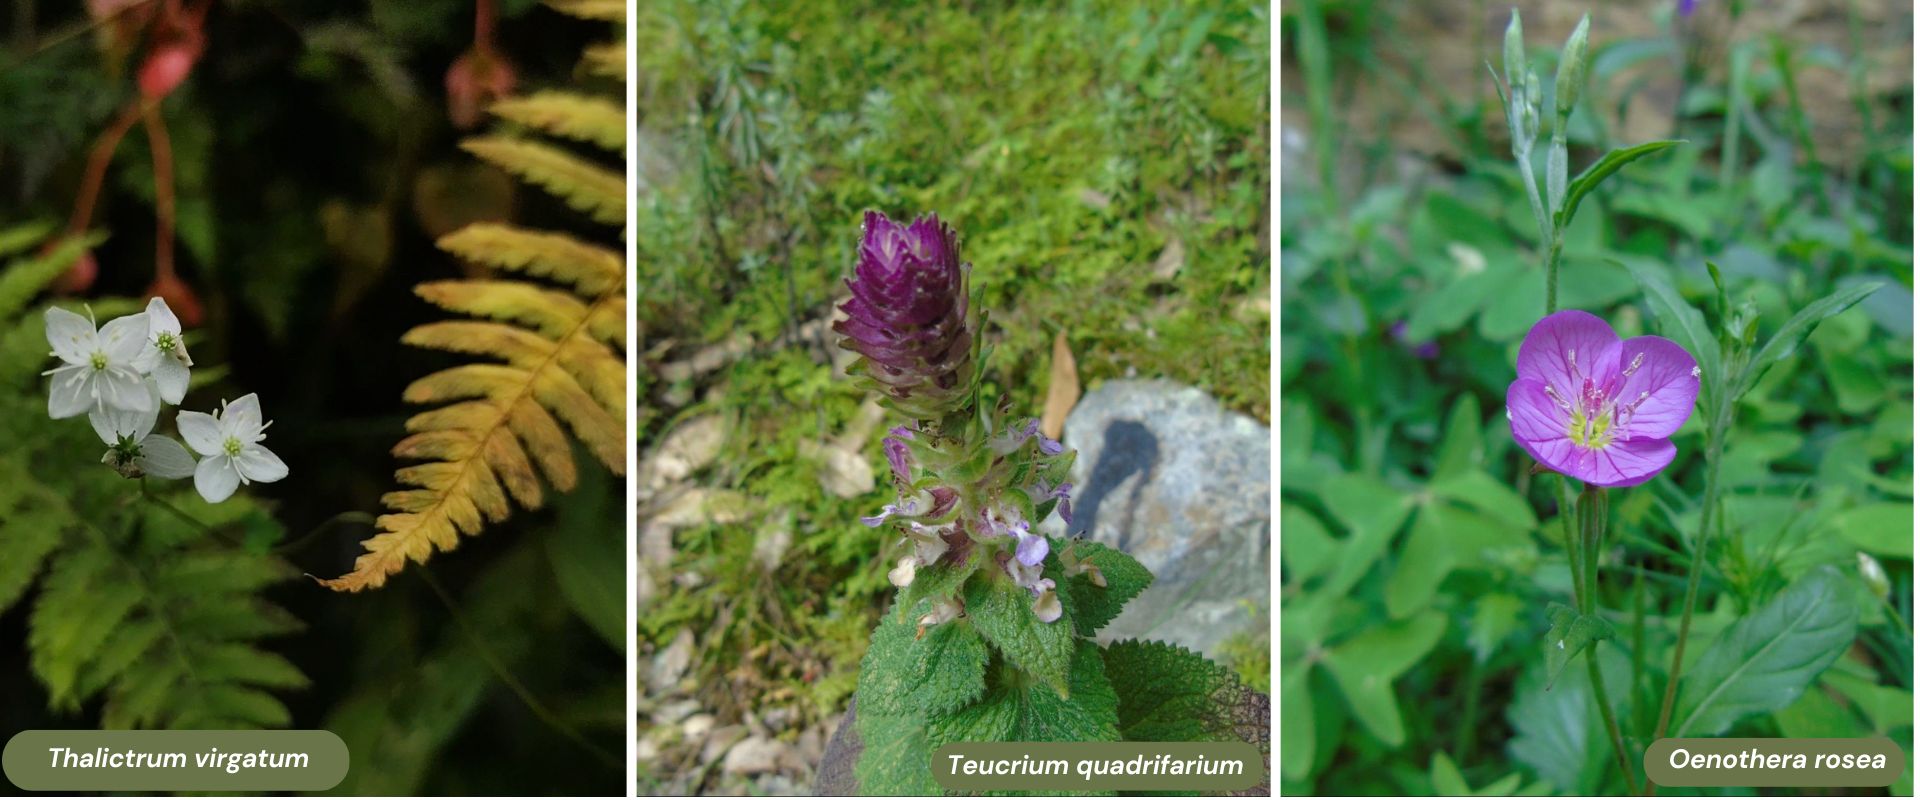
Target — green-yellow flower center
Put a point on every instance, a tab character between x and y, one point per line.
165	342
232	446
98	361
1593	433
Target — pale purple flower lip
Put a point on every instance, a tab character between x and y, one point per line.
1593	407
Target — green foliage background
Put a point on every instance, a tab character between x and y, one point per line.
315	165
1419	557
1070	144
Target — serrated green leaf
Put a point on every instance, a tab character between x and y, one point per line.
1680	321
1172	694
1765	659
1094	606
1017	710
1558	734
1003	613
26	539
1366	665
1598	172
908	672
1568	634
939	580
895	759
1790	335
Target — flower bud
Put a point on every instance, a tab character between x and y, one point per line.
1573	70
908	317
1873	574
166	67
476	79
1516	53
79	277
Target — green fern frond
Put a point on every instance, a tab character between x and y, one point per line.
598	192
557	349
25	278
573	116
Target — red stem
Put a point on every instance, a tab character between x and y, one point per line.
97	167
483	12
162	149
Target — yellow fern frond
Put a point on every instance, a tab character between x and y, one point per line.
600	193
606	60
603	10
553	335
577	117
591	270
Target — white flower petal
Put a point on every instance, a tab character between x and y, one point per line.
104	425
170	376
162	457
215	478
201	431
160	319
123	338
70	395
127	390
242	418
70	335
259	464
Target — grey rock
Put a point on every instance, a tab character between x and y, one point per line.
1168	476
755	755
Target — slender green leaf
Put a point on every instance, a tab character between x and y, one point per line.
1680	321
1763	662
1591	178
1789	337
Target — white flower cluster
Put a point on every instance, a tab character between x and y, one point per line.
121	374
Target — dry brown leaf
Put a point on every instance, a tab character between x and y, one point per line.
1063	388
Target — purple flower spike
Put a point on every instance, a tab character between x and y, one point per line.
1598	409
908	315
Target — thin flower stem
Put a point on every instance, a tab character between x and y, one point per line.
500	670
1894	614
147	492
1593	525
1712	501
1553	273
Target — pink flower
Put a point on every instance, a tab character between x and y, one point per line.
1595	408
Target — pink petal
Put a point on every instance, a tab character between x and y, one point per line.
1666	375
1627	463
1591	341
1533	416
